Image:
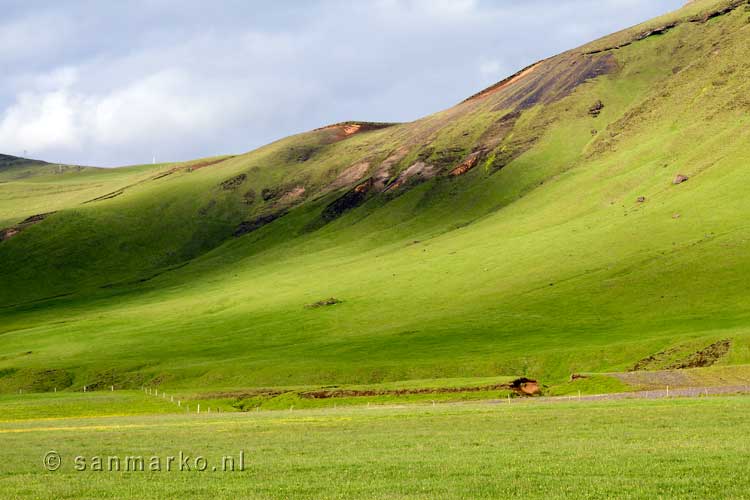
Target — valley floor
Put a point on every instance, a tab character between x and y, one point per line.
666	448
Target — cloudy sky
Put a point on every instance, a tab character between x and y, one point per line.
114	83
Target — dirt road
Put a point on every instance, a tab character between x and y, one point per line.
687	392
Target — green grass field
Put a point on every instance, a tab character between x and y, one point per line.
679	448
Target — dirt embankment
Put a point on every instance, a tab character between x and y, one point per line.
279	201
344	130
348	201
676	358
8	233
256	223
466	165
522	386
234	182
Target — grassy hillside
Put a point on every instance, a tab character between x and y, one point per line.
534	229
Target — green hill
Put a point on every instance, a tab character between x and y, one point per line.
538	228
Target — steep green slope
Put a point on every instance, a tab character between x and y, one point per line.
533	229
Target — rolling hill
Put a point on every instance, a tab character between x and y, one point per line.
587	214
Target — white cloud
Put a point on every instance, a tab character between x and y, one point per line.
167	101
41	122
162	105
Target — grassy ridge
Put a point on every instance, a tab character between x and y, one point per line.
539	261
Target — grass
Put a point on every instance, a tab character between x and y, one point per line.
679	448
56	406
544	268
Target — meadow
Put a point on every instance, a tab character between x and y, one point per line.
539	261
676	448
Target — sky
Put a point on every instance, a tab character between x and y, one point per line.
119	83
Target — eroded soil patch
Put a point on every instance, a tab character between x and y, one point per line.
254	224
344	130
466	165
350	175
234	182
420	171
8	233
324	303
350	200
675	358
